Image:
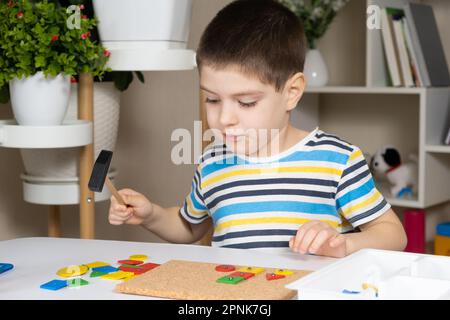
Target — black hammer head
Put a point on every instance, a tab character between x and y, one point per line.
100	170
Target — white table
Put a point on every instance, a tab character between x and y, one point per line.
36	261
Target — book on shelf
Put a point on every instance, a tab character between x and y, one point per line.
390	47
418	80
427	46
413	48
447	138
405	64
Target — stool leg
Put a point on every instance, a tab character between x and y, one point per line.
54	221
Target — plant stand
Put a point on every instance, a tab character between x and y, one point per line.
55	192
86	112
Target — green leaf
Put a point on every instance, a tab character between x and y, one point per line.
4	94
140	76
122	80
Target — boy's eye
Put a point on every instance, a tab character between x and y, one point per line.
212	101
247	104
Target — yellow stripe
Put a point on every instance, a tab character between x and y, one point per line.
363	204
287	220
191	210
355	155
334	171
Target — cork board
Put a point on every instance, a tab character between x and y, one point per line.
178	279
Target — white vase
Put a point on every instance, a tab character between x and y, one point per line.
316	70
62	164
40	101
139	24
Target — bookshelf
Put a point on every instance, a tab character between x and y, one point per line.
360	107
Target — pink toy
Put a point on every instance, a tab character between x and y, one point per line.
414	222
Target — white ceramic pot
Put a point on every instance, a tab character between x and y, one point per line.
62	164
143	23
40	101
316	70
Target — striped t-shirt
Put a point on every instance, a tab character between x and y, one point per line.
261	202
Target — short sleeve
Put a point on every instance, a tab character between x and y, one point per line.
194	209
357	198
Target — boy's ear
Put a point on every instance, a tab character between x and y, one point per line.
295	87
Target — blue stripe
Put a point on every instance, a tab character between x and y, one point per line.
353	180
319	155
355	194
196	204
270	192
274	206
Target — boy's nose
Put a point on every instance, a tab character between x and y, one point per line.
227	116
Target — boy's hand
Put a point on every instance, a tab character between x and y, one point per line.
138	208
319	238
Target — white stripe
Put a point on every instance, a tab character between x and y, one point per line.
373	216
272	186
242	240
190	220
306	175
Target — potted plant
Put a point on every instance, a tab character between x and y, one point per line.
39	54
61	164
316	17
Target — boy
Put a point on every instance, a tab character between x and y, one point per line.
308	194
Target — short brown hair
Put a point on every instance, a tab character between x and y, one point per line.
261	37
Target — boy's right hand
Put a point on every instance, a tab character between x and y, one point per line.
137	210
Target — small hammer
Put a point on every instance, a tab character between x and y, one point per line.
100	175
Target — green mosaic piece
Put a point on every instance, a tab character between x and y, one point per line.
78	282
95	274
230	280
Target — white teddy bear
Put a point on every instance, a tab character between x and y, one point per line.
402	176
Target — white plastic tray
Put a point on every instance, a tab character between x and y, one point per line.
379	274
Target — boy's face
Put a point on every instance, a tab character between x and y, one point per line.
248	115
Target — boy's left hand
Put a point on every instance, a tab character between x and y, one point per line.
319	238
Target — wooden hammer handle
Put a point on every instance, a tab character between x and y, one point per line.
114	191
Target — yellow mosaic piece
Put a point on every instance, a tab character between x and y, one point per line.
72	271
96	264
139	257
118	275
283	272
254	270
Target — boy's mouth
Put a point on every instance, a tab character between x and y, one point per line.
232	137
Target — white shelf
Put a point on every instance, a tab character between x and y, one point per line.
145	59
75	133
365	90
406	203
437	148
413	202
58	191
